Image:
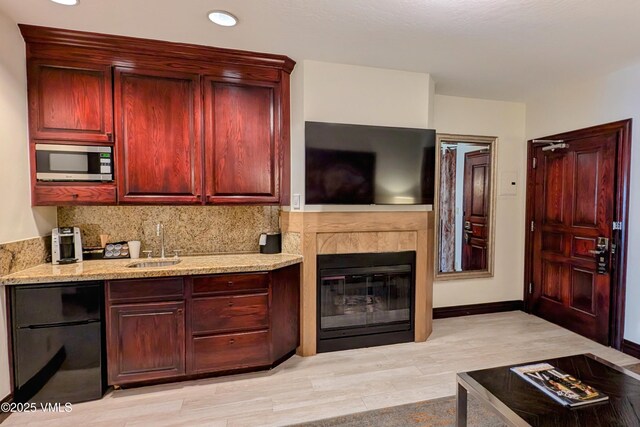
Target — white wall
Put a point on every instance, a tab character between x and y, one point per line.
585	103
18	220
328	92
505	120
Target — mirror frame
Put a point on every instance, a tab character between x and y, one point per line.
492	143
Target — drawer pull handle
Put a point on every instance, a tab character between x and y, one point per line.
229	283
75	196
232	341
230	303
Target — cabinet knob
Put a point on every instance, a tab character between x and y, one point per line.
75	196
179	311
229	284
109	136
232	341
230	303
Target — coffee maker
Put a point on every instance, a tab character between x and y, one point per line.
66	245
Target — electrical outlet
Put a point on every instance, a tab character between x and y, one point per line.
295	202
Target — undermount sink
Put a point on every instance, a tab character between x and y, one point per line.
159	263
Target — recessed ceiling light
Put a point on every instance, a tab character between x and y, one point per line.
66	2
222	17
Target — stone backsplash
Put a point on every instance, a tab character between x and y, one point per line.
193	229
23	254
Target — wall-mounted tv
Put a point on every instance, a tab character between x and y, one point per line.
368	165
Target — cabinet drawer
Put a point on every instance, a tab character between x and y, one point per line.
217	314
145	290
230	283
231	351
54	195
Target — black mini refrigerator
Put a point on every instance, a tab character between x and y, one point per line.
58	351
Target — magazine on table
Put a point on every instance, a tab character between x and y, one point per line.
564	388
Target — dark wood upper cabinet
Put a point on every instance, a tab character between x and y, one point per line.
70	101
190	124
159	142
242	142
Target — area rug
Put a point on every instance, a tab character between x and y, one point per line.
430	413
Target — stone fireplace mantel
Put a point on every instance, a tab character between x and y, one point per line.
314	233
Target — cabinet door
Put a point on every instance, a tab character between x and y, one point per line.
158	136
70	101
242	142
145	342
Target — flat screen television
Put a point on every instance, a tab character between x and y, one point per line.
368	165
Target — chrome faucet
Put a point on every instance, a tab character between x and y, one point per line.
160	233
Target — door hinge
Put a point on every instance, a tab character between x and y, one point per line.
530	288
533	226
617	225
535	163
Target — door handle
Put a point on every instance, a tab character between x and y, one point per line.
601	253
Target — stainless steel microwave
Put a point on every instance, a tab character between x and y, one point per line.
55	162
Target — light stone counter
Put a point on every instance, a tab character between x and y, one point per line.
117	269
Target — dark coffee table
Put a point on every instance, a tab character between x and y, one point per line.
519	403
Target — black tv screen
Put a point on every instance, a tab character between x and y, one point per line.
368	165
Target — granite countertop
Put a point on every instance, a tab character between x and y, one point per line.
117	269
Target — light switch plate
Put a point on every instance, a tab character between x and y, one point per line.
508	183
295	201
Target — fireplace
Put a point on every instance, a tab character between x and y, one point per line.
365	300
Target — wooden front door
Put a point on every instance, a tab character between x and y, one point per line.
573	211
476	200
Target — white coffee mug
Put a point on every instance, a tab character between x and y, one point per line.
134	249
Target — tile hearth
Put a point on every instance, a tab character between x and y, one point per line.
332	384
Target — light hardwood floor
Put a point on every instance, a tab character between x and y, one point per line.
331	384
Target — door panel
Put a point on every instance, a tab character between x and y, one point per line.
582	247
574	205
476	199
586	186
555	171
159	148
582	290
551	279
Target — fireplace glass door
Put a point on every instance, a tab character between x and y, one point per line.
378	298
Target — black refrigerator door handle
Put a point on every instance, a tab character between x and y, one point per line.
57	325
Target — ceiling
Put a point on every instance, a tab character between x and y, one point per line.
495	49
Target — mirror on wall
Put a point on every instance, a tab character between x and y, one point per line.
464	209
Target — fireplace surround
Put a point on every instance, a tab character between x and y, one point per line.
365	300
328	233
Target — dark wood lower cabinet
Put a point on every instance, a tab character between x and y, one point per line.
180	327
230	313
230	351
147	341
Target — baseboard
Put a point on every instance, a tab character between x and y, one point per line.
467	310
631	348
5	415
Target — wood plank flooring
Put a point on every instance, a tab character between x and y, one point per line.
332	384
